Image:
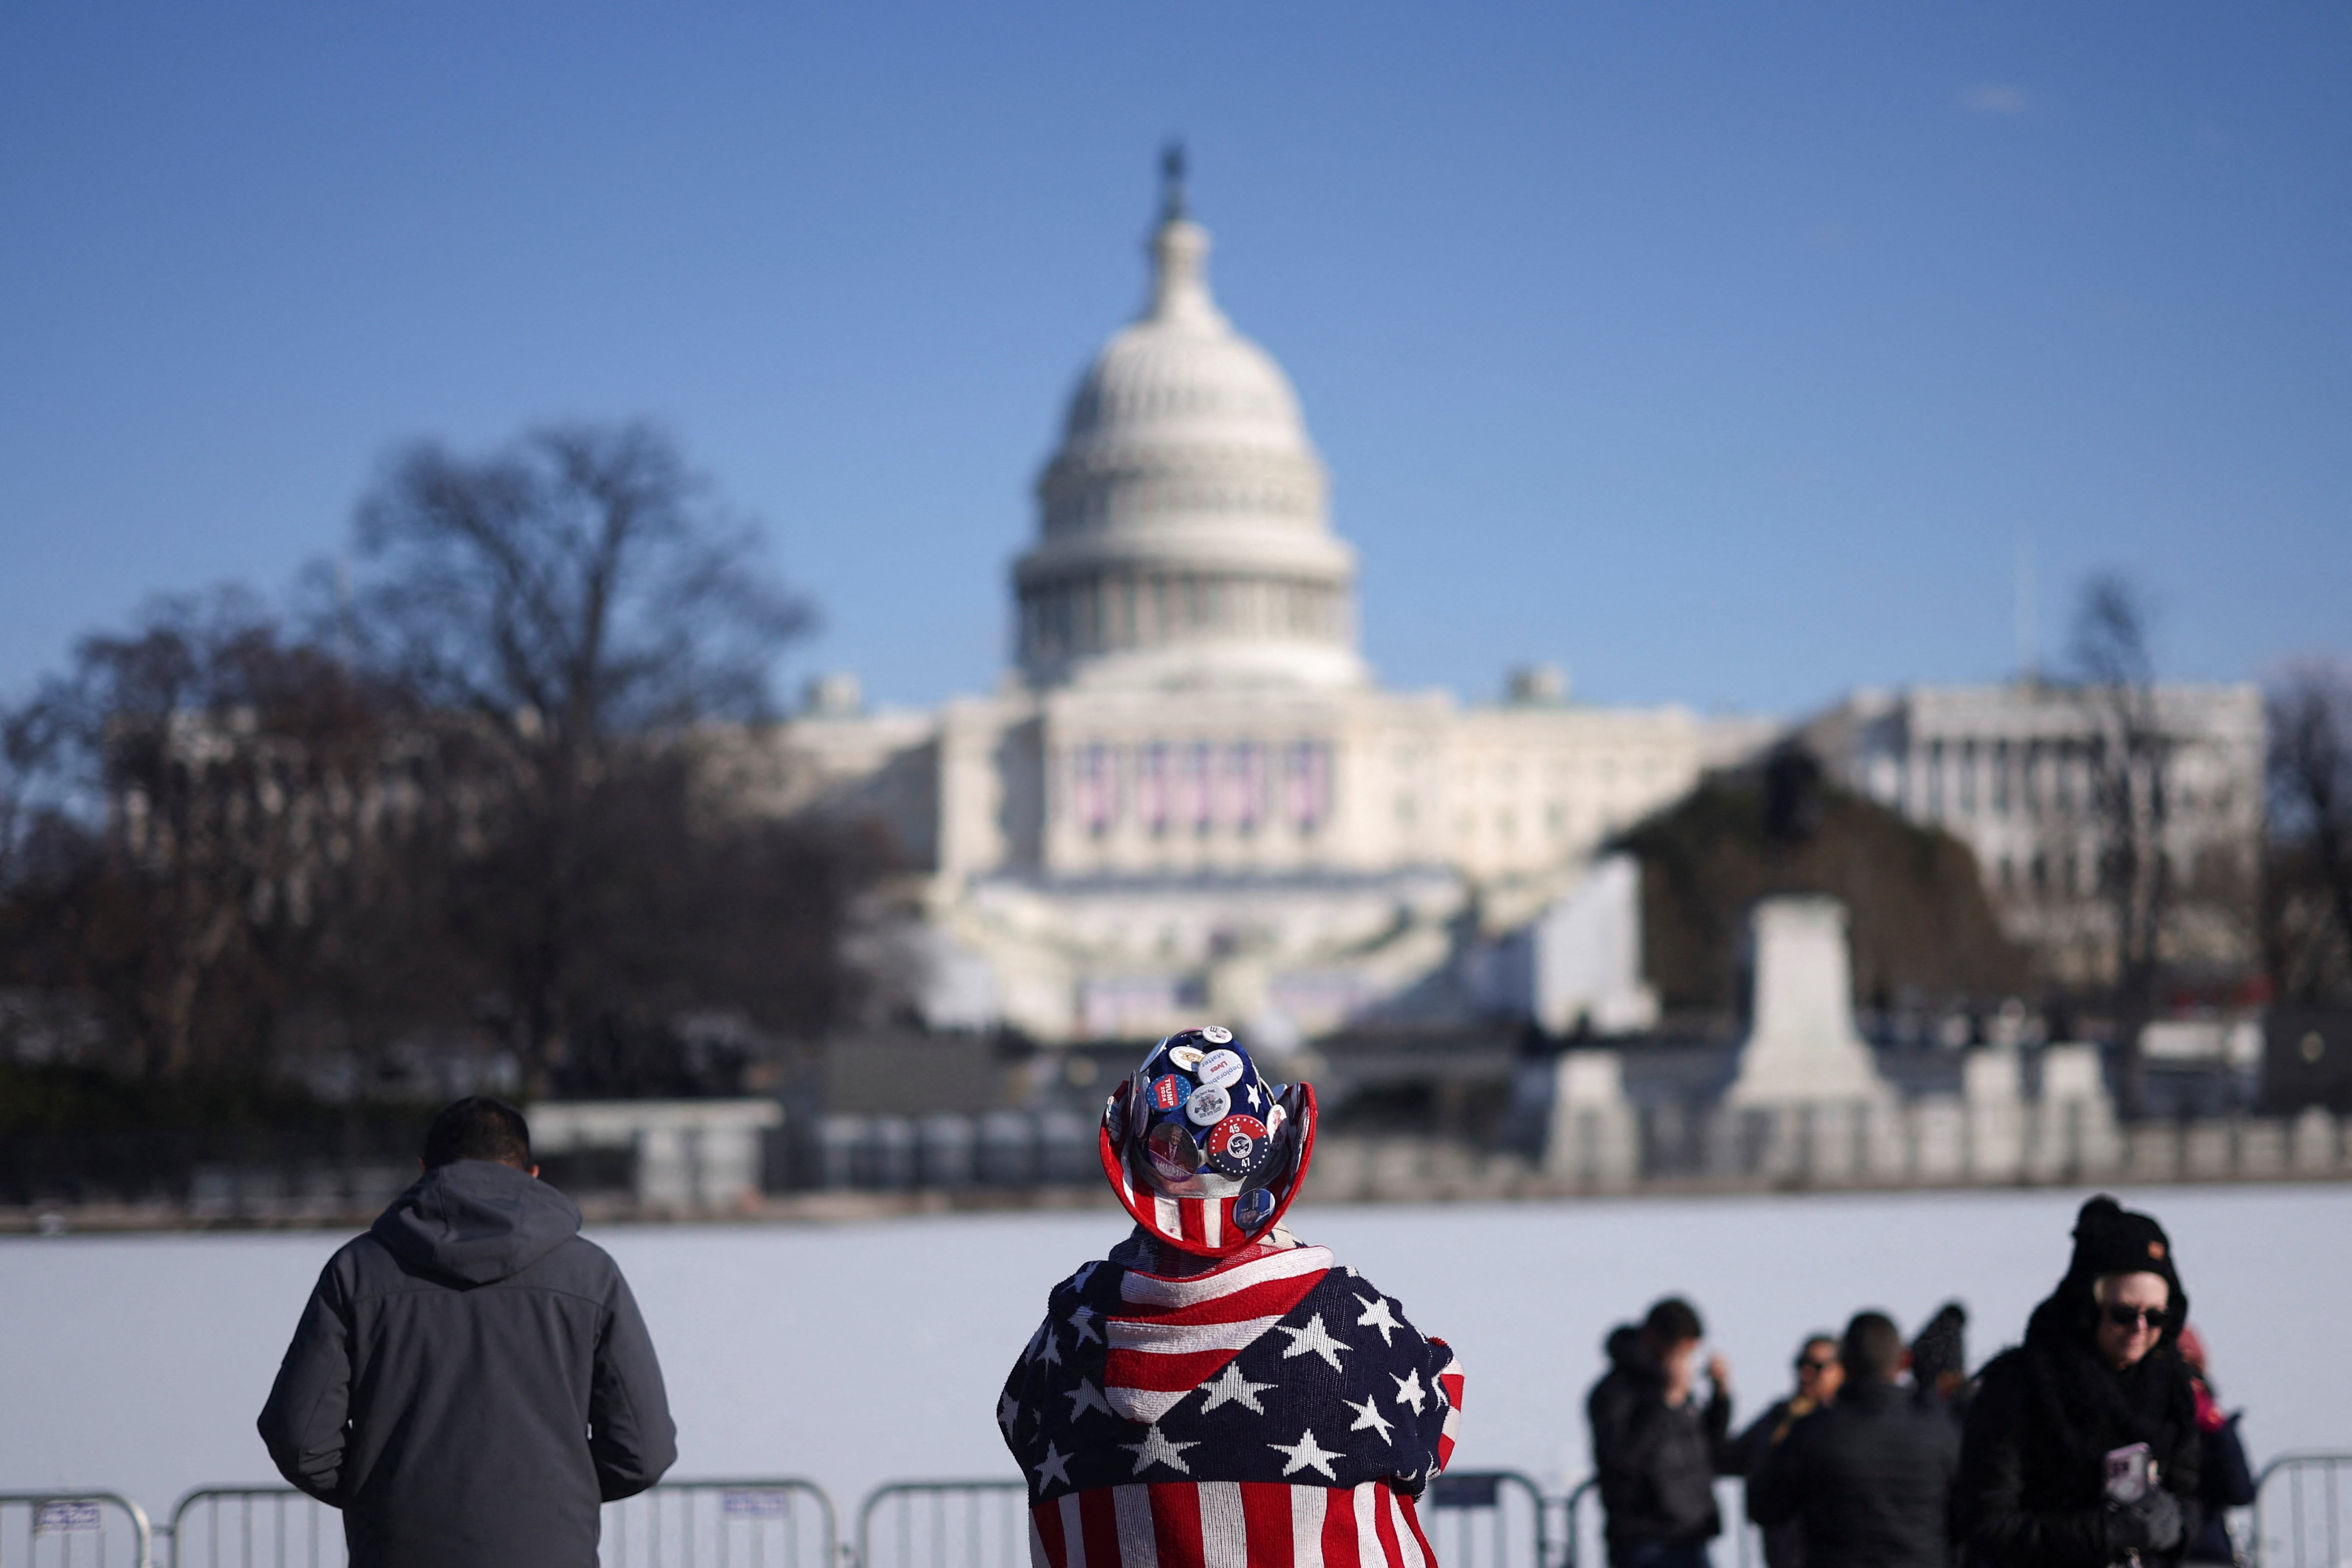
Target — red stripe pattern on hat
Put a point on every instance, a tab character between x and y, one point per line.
1229	1524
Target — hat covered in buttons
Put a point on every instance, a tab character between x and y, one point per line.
1202	1151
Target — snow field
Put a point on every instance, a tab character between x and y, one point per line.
859	1354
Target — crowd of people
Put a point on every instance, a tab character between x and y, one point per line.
471	1379
2096	1441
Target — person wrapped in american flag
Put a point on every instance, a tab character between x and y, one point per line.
1216	1393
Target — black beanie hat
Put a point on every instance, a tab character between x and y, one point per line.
1942	1345
2112	1239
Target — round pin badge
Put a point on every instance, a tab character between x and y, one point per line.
1115	1119
1238	1146
1217	1035
1221	1069
1208	1106
1173	1154
1166	1093
1254	1208
1276	1117
1184	1057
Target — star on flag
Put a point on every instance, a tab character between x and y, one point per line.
1408	1389
1082	1320
1085	1397
1307	1453
1055	1467
1156	1449
1368	1414
1008	1410
1377	1316
1315	1340
1231	1388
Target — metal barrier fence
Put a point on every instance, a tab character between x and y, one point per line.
782	1524
1487	1519
71	1530
944	1524
2302	1511
1587	1548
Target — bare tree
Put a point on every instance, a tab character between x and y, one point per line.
580	597
2311	817
2130	804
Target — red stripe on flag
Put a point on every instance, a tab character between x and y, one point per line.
1266	1515
1162	1373
1176	1522
1270	1299
1187	1219
1340	1531
1047	1518
1413	1523
1098	1524
1384	1526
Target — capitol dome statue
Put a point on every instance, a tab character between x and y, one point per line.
1185	540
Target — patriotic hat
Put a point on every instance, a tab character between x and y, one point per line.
1206	1153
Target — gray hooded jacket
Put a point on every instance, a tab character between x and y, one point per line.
470	1380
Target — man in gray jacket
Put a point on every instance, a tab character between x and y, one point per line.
471	1379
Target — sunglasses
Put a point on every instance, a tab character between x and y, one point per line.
1811	1363
2125	1317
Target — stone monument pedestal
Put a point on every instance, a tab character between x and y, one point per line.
1803	1047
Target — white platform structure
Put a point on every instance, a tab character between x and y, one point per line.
1803	1047
1192	798
692	1156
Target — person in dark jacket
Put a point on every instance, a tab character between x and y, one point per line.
1658	1451
2228	1475
470	1379
1939	1363
1819	1373
1868	1480
2081	1449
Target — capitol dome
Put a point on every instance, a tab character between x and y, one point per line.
1185	538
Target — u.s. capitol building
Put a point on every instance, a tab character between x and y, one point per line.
1194	798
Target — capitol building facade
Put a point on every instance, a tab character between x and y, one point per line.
1192	798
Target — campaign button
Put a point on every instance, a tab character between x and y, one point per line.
1208	1106
1221	1069
1167	1093
1185	1057
1239	1145
1254	1208
1217	1035
1173	1154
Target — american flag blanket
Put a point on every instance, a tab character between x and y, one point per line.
1275	1410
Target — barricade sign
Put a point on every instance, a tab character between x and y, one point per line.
73	1529
2303	1513
944	1524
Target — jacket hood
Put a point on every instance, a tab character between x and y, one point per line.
477	1221
1629	1353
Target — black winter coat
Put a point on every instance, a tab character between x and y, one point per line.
1869	1479
1656	1462
470	1380
2032	1490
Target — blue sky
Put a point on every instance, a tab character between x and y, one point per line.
1721	355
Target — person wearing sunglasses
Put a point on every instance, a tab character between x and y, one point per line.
1819	1373
2082	1448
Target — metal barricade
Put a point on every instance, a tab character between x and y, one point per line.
242	1527
2302	1511
74	1530
944	1524
778	1523
784	1523
1587	1547
1487	1519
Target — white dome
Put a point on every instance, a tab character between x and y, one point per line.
1184	521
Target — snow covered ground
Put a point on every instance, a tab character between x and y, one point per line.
863	1353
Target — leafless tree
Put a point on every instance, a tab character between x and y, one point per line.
581	597
2311	819
2130	804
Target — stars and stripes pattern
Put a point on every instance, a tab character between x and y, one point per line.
1275	1410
